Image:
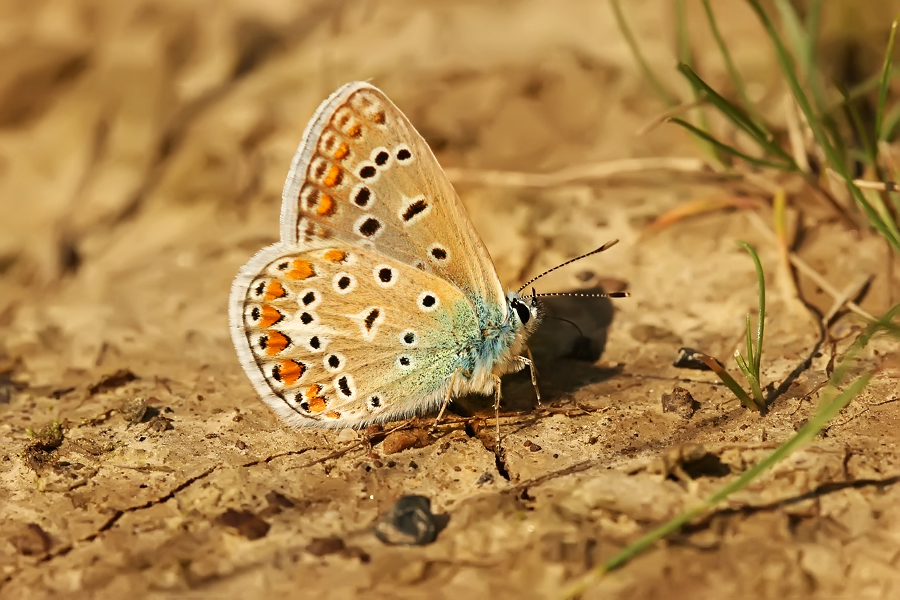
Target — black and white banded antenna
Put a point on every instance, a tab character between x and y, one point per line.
605	246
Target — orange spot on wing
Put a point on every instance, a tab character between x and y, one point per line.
317	405
313	391
333	178
301	269
333	415
326	205
354	130
335	255
270	316
342	151
274	291
291	371
276	342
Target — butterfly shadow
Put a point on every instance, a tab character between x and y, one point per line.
566	350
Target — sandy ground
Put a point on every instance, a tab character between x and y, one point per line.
143	147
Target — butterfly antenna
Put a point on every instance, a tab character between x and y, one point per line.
605	246
572	323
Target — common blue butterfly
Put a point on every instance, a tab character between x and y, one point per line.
380	302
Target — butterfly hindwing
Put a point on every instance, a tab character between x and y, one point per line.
344	336
364	175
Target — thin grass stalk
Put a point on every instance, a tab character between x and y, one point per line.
667	97
887	228
737	116
736	78
729	149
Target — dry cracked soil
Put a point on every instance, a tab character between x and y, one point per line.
143	147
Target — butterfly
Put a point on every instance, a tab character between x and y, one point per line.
380	301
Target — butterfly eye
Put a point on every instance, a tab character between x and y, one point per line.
521	310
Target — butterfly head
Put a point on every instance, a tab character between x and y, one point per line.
524	313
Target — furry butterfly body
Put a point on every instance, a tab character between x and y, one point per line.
380	301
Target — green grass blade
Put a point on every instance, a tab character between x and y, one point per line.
797	36
829	406
733	151
749	342
803	435
728	380
760	324
813	20
649	75
885	82
887	229
890	122
736	115
736	78
685	56
870	151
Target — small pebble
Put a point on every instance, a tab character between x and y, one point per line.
408	522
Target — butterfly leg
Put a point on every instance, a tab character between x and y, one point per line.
449	395
533	370
496	379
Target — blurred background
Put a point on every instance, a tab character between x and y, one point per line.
144	145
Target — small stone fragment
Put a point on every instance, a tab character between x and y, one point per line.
133	409
31	540
688	358
398	441
112	381
409	522
325	546
680	402
160	423
245	523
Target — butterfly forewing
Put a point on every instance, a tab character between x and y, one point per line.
346	336
364	175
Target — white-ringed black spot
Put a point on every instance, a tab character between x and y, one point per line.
415	210
333	362
385	275
260	288
343	283
370	318
304	405
276	373
315	343
362	196
403	154
374	403
306	318
381	157
368	172
409	338
438	254
404	362
368	227
427	301
345	386
308	298
255	313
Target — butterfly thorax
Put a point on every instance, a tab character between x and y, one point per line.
495	350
